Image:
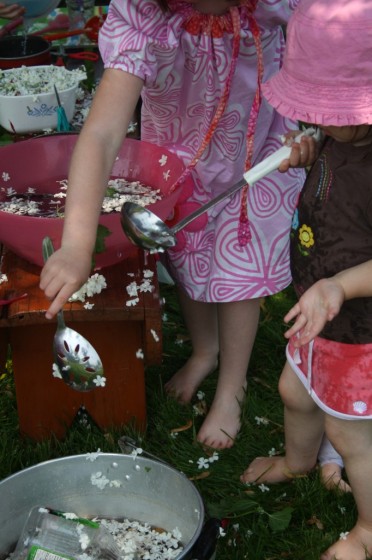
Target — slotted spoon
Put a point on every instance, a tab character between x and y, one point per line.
77	361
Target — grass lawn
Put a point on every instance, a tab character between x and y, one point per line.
296	520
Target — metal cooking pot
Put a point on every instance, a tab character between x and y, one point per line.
144	490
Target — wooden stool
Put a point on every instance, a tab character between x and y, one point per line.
46	405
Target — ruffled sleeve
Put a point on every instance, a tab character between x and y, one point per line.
133	36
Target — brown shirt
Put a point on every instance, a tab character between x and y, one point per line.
332	231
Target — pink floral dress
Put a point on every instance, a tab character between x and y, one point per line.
185	59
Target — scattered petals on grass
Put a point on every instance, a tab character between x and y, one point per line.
164	317
203	463
261	420
272	452
222	532
344	535
342	509
99	381
264	488
200	395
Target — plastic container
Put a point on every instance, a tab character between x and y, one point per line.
48	531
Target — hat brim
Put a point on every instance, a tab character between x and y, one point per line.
315	104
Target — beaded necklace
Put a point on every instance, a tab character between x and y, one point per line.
217	26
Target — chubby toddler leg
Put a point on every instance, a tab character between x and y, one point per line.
353	438
303	423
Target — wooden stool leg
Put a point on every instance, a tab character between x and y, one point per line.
46	405
4	348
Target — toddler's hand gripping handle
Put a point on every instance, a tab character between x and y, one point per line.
272	162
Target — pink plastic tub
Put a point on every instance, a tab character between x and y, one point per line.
41	162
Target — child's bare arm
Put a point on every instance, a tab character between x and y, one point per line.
323	301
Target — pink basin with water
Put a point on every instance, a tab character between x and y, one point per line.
41	162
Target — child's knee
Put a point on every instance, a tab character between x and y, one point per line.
293	393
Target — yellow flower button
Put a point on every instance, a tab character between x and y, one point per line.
306	236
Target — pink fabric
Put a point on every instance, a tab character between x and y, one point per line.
184	76
337	376
326	77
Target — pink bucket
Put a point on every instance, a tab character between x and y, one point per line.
42	162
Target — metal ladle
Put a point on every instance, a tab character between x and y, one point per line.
148	231
77	361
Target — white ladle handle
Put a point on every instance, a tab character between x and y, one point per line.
254	174
273	161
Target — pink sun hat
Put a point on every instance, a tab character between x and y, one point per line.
326	77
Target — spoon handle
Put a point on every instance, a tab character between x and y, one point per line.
48	250
257	172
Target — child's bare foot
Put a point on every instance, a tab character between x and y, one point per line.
222	423
331	476
266	469
356	545
184	383
270	470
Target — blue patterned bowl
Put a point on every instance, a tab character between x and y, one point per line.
33	113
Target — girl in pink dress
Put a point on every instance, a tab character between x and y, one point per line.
198	67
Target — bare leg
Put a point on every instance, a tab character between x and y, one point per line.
353	439
201	322
237	322
304	428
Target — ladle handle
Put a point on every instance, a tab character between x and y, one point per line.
185	221
253	175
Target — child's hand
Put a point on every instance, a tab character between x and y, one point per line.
303	153
63	274
11	11
319	304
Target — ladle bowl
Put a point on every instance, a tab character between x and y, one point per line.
146	230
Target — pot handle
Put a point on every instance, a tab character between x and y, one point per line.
128	444
205	545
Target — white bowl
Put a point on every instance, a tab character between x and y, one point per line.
37	112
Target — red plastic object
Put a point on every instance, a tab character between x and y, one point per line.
91	30
42	162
